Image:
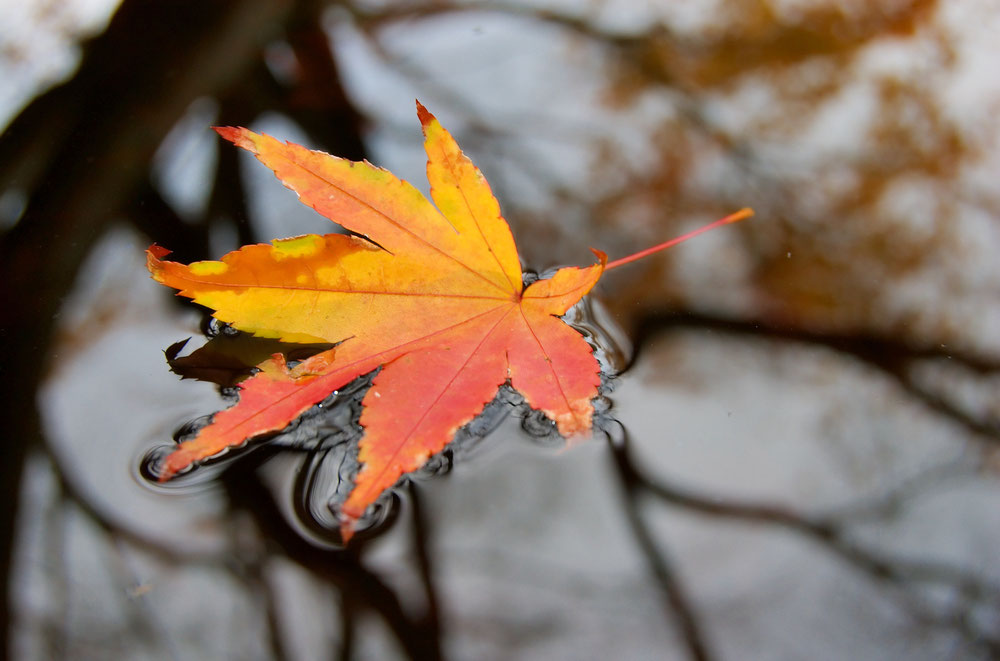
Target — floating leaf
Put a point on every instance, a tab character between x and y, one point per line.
432	294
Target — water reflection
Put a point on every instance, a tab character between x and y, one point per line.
790	363
323	442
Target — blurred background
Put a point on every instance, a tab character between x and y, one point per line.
797	459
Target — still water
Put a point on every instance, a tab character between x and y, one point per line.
504	518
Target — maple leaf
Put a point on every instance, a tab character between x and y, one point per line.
433	296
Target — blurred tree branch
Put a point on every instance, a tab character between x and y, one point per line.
833	535
80	153
895	357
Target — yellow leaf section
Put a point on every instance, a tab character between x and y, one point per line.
370	201
297	246
568	285
207	268
328	288
462	194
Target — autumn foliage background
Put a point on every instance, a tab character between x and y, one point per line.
807	466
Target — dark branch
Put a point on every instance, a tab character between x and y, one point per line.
832	535
894	357
678	602
425	566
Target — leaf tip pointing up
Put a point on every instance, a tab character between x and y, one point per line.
424	115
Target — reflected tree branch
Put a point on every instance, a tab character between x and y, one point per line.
119	530
425	566
906	576
892	356
78	153
678	601
348	625
341	569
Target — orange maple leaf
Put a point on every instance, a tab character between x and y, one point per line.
434	296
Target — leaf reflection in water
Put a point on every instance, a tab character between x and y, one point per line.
326	437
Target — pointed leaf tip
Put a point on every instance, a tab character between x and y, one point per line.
236	135
424	115
157	251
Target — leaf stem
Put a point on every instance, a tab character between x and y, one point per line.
743	213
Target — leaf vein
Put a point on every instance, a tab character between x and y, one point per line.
389	219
